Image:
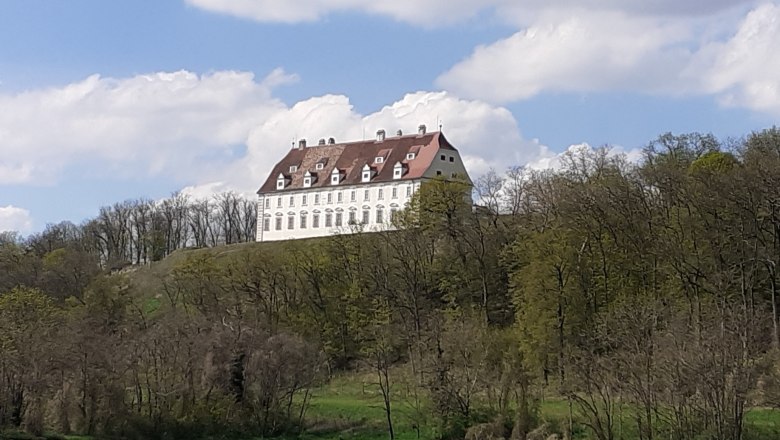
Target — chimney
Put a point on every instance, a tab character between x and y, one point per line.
331	141
399	132
321	141
302	144
380	135
421	129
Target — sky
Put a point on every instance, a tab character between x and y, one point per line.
104	101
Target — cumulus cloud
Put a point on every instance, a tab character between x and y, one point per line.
13	218
147	124
221	131
581	52
659	47
487	136
743	70
731	56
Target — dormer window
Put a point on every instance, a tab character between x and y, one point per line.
308	179
409	156
281	181
319	166
366	176
398	170
293	168
335	177
379	159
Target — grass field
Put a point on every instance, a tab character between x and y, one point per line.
350	407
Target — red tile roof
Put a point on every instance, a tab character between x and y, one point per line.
350	158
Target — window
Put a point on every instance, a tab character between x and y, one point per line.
366	195
438	172
338	219
379	159
366	214
315	221
291	222
409	156
328	220
303	221
293	168
443	157
352	197
352	217
395	192
280	184
266	224
267	203
330	198
366	176
305	199
397	173
319	166
306	182
452	158
334	179
393	213
409	191
340	197
316	199
278	202
278	224
380	216
454	175
381	194
292	200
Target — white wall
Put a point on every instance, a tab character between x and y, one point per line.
449	165
269	208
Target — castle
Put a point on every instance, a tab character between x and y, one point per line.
346	187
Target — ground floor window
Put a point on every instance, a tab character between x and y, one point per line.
278	223
328	220
338	219
366	215
266	224
380	216
290	222
315	221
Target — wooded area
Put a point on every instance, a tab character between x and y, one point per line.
644	295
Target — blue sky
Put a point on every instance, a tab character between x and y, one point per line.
105	101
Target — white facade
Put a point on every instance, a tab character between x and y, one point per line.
317	212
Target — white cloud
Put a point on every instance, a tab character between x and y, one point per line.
428	13
586	51
217	132
658	47
147	124
743	71
432	13
487	136
731	55
13	218
556	161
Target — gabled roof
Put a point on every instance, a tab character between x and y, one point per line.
350	158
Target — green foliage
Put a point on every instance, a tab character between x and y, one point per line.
617	300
